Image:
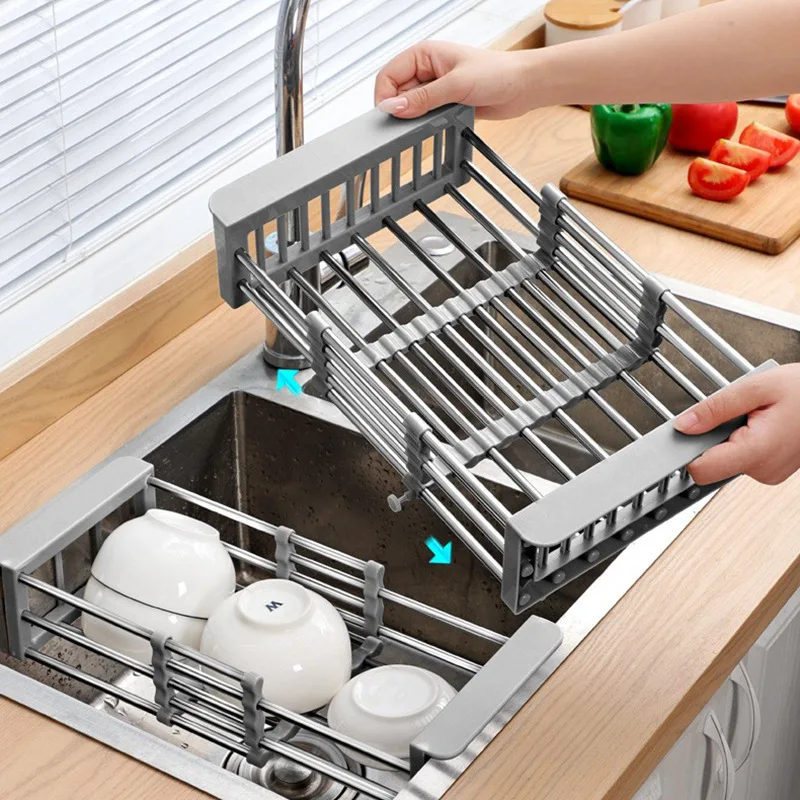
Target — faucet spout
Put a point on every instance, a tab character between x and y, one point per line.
278	351
289	36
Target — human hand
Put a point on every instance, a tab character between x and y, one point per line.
767	448
432	74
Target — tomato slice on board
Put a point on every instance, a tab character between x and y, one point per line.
793	112
714	181
753	161
781	147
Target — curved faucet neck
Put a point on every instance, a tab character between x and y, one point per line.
289	35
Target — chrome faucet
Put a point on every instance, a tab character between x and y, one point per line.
289	35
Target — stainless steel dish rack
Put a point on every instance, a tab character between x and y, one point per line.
572	323
212	700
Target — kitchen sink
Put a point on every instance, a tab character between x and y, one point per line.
296	461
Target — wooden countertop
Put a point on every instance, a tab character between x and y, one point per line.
603	721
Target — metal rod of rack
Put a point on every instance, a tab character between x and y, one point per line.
235	723
581	336
591	321
322	550
594	237
255	523
467	375
518	374
212	733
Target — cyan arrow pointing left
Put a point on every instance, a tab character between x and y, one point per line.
287	380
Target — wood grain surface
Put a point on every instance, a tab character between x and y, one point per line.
583	15
42	386
765	217
72	767
606	717
612	711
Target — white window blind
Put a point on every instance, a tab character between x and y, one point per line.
111	109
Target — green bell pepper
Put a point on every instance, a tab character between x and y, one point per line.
629	138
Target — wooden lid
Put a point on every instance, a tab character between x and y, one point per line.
583	15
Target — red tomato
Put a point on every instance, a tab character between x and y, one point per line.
696	127
716	181
793	112
753	161
781	147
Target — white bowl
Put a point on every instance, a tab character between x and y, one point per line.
295	639
186	630
163	571
387	707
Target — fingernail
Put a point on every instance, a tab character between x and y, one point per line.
687	421
393	105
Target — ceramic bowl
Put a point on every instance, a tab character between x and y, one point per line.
164	571
295	639
387	707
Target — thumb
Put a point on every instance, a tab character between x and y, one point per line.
733	401
424	98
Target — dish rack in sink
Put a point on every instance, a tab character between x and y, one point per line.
571	327
189	692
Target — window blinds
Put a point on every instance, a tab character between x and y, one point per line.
111	109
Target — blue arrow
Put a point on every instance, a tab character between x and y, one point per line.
286	380
442	554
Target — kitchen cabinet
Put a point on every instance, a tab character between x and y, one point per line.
700	766
745	744
773	770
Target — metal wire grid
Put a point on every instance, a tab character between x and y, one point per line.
210	706
458	380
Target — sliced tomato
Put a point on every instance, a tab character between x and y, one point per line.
753	161
781	147
715	181
793	112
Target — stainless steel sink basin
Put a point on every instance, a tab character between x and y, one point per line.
296	461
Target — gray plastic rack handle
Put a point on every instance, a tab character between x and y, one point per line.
600	499
474	707
296	179
616	481
45	533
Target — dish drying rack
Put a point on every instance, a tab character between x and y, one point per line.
212	700
460	383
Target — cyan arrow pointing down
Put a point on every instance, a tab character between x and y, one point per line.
442	554
286	380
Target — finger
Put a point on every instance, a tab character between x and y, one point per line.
410	65
721	462
412	84
729	403
426	97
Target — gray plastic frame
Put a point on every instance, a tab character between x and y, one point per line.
288	185
76	510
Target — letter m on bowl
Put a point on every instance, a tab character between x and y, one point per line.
273	606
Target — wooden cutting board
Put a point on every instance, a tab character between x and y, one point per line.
765	217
